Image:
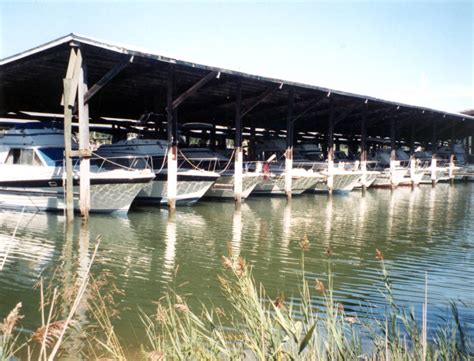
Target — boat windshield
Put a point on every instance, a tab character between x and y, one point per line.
52	156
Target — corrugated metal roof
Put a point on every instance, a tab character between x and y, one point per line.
32	80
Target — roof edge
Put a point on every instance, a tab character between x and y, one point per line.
130	50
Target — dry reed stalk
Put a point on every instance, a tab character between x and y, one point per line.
44	335
11	320
7	252
78	298
424	319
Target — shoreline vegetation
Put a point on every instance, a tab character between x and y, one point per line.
253	327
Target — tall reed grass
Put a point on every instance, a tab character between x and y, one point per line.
253	327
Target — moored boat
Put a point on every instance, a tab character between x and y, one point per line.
192	183
32	175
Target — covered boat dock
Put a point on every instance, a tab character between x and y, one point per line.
93	83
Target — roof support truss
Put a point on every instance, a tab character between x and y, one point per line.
112	73
261	98
193	89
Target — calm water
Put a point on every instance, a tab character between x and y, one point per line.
422	231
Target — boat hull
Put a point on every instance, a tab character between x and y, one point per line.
191	187
383	179
344	182
105	198
274	184
223	188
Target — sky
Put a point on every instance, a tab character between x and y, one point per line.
415	52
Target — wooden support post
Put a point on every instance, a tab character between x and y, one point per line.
172	156
212	139
363	147
466	149
252	143
434	150
289	144
393	154
238	162
414	181
70	84
451	155
67	151
84	145
330	147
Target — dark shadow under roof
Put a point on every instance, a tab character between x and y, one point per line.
32	81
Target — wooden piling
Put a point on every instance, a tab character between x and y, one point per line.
412	156
67	151
238	162
172	155
363	146
330	141
434	149
84	145
393	153
289	144
451	155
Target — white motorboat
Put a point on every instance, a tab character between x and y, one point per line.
223	187
192	183
32	175
303	177
272	181
442	168
371	176
345	174
381	163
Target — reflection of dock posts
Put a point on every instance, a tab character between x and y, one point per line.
412	155
286	233
67	257
84	146
363	146
238	144
393	153
172	156
70	84
82	271
451	155
289	144
236	231
330	140
170	248
434	150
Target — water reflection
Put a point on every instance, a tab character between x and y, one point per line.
418	230
236	231
170	248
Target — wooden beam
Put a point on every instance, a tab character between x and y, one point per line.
238	157
238	114
289	143
363	134
84	144
289	120
260	98
345	113
72	73
169	106
310	107
67	152
330	147
193	89
112	73
172	156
